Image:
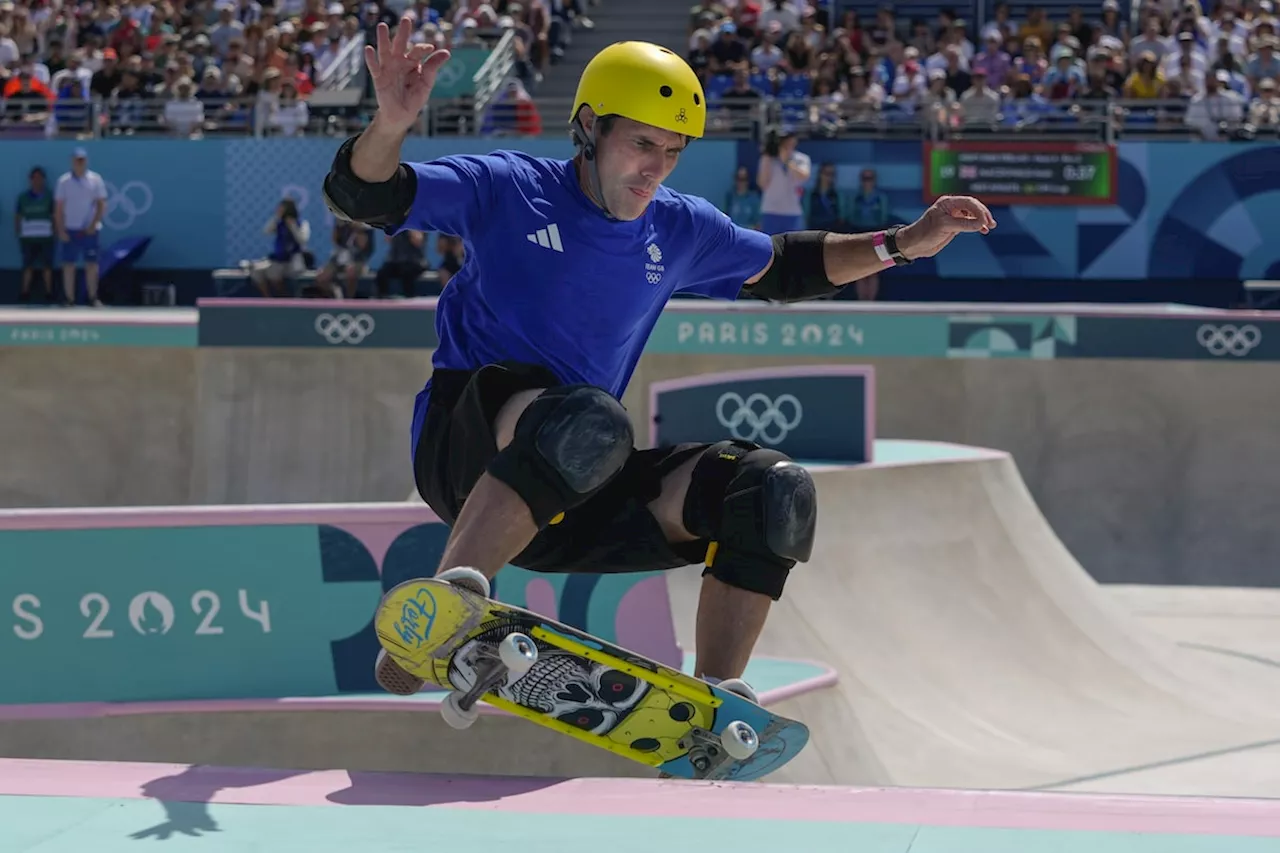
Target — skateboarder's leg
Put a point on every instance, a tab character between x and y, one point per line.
757	509
508	460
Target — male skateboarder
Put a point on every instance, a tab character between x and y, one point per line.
519	441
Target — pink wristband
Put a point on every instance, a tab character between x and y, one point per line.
881	251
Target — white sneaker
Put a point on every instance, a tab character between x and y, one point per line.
393	679
738	686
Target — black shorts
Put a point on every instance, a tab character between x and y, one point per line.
37	254
613	531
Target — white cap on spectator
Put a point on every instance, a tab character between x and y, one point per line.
1110	5
468	23
337	9
285	27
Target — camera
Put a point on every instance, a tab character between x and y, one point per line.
771	142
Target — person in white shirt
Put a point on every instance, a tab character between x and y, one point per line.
1217	109
184	114
79	203
781	175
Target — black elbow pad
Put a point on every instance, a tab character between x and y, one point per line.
384	205
798	270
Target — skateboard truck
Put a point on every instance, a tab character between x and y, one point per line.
515	655
708	751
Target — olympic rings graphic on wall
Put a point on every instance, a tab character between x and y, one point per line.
758	418
344	328
1228	339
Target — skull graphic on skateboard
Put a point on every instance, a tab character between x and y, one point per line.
447	631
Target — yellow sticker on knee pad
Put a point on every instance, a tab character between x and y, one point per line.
711	553
557	518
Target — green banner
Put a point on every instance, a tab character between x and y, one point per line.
1022	173
68	333
787	332
456	77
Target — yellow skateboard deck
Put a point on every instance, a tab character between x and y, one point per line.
579	685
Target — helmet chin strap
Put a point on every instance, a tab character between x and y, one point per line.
587	140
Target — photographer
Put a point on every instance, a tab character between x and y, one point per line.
781	175
290	237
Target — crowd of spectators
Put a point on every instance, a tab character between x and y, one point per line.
197	66
1210	71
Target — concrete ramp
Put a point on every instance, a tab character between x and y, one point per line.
973	651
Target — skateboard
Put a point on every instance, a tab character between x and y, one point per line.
447	631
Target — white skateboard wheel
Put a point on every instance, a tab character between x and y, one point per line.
467	578
739	740
517	653
453	713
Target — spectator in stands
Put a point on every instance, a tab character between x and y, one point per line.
959	77
80	202
1035	25
184	112
1152	41
1264	65
290	235
33	225
728	52
352	250
939	104
1216	111
980	104
405	263
767	54
1187	56
1032	62
1264	113
742	203
909	82
26	101
993	62
1112	24
287	114
781	174
1065	81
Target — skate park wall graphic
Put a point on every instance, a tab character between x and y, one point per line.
1180	212
1145	434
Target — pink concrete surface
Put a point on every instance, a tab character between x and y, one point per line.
645	798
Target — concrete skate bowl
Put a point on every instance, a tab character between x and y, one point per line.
973	651
373	732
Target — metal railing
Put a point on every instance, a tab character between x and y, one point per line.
347	68
1107	121
493	74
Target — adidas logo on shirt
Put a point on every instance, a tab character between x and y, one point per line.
547	238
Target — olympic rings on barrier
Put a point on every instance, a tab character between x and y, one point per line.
1228	339
758	418
344	328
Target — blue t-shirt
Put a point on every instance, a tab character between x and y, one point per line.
550	280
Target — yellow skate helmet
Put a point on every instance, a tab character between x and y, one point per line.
646	83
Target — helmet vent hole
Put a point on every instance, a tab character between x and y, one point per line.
664	50
697	100
665	91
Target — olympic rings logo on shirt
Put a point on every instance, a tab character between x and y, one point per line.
1228	339
758	418
344	328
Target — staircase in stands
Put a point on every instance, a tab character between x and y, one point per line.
664	22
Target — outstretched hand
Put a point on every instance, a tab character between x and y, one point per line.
947	217
403	76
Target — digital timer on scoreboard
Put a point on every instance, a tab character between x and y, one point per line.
1029	173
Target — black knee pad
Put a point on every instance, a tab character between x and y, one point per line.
569	442
759	509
